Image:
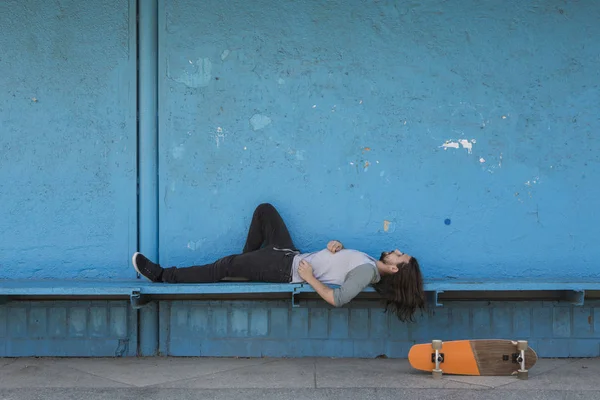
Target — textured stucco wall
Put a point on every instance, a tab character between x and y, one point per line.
465	134
67	139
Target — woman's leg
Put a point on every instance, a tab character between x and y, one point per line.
267	227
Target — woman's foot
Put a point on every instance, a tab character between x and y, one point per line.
146	268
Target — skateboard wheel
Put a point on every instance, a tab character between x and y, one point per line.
522	345
523	374
436	344
436	374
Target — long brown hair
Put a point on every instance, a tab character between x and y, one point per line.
403	292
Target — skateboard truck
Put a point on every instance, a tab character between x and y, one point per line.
438	358
522	373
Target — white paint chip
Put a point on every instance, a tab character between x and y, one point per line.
259	121
482	160
466	145
218	138
224	54
448	145
462	142
315	106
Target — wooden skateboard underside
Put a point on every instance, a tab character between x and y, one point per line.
486	357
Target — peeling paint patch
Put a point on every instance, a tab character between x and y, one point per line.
220	136
462	142
389	226
482	160
259	121
466	145
224	54
197	75
450	145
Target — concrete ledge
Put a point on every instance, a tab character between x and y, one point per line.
141	292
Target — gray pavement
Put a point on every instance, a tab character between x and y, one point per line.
263	378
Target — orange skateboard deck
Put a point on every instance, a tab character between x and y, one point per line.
482	357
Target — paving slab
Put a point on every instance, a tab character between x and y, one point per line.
6	361
282	373
181	378
578	375
28	373
147	371
379	373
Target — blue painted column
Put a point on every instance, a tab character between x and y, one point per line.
148	158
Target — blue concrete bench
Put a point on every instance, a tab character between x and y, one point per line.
572	292
141	292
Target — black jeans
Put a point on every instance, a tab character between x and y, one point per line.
266	257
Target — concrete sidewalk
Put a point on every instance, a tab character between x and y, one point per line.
225	378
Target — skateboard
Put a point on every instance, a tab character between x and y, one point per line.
482	357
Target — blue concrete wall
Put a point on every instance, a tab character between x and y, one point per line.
67	139
464	134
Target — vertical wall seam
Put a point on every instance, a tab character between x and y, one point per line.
148	127
147	99
135	14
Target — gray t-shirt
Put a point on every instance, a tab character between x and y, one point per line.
351	270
